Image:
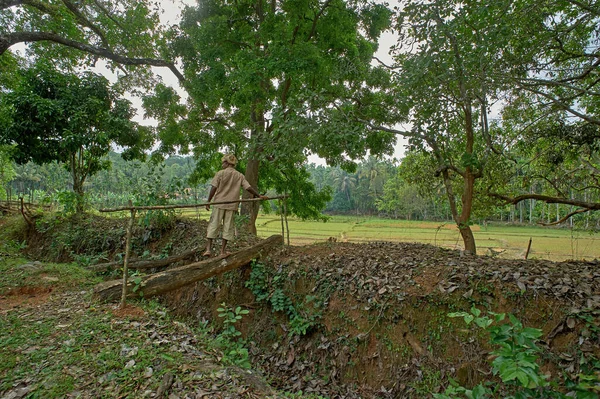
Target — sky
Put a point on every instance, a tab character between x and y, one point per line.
171	15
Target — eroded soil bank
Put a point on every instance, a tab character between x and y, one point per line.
371	320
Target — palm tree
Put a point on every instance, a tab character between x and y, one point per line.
344	182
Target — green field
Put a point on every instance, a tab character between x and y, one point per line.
508	240
511	241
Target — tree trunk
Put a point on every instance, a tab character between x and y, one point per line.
171	279
250	209
465	215
78	180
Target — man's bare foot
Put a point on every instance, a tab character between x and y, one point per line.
207	253
225	253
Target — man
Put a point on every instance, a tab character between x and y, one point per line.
225	187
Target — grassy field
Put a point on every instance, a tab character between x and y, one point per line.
508	241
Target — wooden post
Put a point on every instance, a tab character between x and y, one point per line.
287	227
528	248
281	213
127	252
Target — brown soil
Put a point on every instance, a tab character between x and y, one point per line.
23	296
382	330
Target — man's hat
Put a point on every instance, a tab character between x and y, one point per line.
230	159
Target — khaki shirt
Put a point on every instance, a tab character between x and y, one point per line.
228	182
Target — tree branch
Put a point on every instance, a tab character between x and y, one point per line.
384	64
109	15
561	104
35	4
590	206
9	3
6	41
591	10
85	22
564	219
314	25
388	130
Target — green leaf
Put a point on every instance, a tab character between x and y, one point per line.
475	311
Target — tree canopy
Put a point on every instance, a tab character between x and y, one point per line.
273	81
70	118
126	33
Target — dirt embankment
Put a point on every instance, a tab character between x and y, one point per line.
371	320
368	320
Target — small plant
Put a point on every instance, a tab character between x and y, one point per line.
258	282
136	279
515	361
71	202
266	287
12	248
230	338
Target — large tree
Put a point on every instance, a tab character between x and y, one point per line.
555	103
446	52
273	82
70	118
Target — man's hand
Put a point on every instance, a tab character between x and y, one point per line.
263	197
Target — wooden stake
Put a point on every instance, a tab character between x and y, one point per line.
281	213
287	227
127	252
528	248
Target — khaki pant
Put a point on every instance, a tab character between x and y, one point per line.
220	217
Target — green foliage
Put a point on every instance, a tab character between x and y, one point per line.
7	171
153	191
11	248
516	357
268	286
230	338
79	237
137	278
70	118
258	282
72	35
70	201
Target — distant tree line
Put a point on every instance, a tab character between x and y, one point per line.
385	188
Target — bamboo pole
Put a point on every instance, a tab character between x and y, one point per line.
148	208
127	252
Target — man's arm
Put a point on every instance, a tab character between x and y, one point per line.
213	190
252	191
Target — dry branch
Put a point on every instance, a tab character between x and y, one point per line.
171	279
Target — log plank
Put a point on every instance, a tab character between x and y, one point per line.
171	279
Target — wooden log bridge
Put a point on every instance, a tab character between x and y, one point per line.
171	279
